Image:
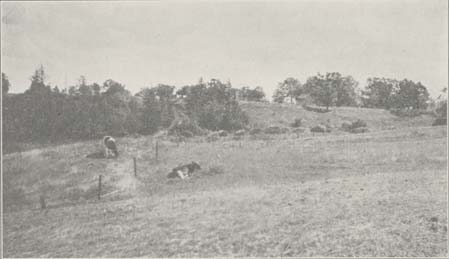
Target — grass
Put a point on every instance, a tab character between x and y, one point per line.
382	193
268	114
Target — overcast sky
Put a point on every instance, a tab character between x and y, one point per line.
253	43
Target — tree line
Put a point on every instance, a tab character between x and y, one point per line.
334	89
85	111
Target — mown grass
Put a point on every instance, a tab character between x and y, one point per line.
375	194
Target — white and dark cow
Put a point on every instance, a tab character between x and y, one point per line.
184	171
110	147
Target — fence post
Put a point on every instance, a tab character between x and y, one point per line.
42	201
99	186
156	153
135	167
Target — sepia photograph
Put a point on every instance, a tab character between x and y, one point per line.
224	129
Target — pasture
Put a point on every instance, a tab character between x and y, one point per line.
381	193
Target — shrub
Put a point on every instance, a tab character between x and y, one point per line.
359	130
346	126
315	109
358	124
239	133
285	130
318	129
351	127
440	121
214	170
299	130
212	137
297	123
255	131
408	112
222	133
273	130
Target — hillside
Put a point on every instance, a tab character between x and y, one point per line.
266	114
382	193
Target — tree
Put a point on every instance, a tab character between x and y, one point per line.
151	113
165	95
111	87
379	92
83	88
331	89
213	105
257	94
5	84
253	95
289	88
345	87
38	78
410	95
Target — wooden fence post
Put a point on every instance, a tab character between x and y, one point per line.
99	186
156	153
135	167
42	201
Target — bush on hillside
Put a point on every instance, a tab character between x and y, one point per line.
409	112
213	136
359	130
315	109
318	129
255	131
297	123
214	170
440	121
346	125
358	126
239	133
222	133
275	130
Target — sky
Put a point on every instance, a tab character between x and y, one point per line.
249	43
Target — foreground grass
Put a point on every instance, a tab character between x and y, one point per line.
377	194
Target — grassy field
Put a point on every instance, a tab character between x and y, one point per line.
266	114
382	193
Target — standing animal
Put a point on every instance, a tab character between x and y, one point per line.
110	147
184	171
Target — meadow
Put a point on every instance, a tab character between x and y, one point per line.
381	193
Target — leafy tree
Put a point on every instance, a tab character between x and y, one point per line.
165	95
441	109
393	94
289	88
320	89
5	84
331	89
345	87
255	95
38	78
410	95
379	92
213	105
151	112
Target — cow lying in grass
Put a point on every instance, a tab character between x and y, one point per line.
110	147
184	171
